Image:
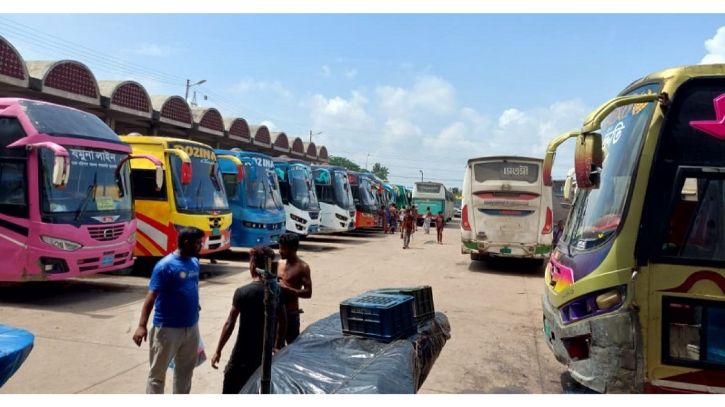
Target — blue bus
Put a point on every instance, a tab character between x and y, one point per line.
297	188
258	216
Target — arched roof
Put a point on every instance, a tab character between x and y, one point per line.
172	110
127	96
311	150
209	120
12	65
298	147
260	135
66	78
281	142
323	153
237	128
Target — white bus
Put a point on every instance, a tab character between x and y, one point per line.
435	196
337	206
297	189
507	209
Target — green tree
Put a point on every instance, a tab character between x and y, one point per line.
345	163
380	171
456	192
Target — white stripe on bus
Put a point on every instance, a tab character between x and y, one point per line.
154	234
21	244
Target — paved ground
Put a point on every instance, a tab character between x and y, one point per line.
83	327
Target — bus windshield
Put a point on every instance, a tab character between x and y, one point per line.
261	188
92	187
596	213
204	193
365	195
302	189
61	121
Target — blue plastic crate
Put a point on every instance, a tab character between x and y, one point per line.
384	317
423	309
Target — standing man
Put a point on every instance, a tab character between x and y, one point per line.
407	228
415	218
248	305
295	282
427	218
174	295
440	224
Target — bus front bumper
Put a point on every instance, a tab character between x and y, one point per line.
44	264
600	352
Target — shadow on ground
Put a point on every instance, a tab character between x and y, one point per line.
502	265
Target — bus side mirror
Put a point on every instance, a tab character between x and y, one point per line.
61	171
61	160
185	164
551	154
237	163
567	189
588	159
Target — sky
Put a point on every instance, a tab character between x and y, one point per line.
414	92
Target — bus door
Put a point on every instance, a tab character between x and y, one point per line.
683	237
687	289
506	199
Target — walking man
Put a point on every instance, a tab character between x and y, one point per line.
248	306
174	296
295	282
427	218
440	223
407	228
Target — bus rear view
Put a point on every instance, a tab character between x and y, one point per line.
506	208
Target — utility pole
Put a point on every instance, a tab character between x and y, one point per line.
190	85
421	175
366	162
315	134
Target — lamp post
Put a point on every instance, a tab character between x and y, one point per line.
421	175
315	134
366	162
190	85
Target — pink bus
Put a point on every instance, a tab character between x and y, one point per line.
65	203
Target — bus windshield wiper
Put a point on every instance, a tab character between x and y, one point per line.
91	192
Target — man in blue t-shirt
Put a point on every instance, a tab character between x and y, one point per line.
174	294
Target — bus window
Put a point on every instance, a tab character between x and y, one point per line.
695	228
143	184
230	185
506	171
694	332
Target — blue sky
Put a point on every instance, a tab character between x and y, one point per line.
415	91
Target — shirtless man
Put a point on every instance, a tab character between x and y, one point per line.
295	282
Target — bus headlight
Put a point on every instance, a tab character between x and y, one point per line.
342	218
131	237
297	219
596	303
62	244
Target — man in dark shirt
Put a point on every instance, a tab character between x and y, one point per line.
248	305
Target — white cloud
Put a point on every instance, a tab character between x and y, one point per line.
350	73
249	85
715	47
153	50
270	125
509	117
429	94
399	132
325	71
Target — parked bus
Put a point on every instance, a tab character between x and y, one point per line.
506	208
435	196
66	208
297	189
337	205
192	196
259	217
400	197
635	289
366	204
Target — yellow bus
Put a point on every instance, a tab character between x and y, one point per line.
635	289
192	195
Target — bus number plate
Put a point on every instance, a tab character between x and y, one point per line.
107	260
505	250
215	232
